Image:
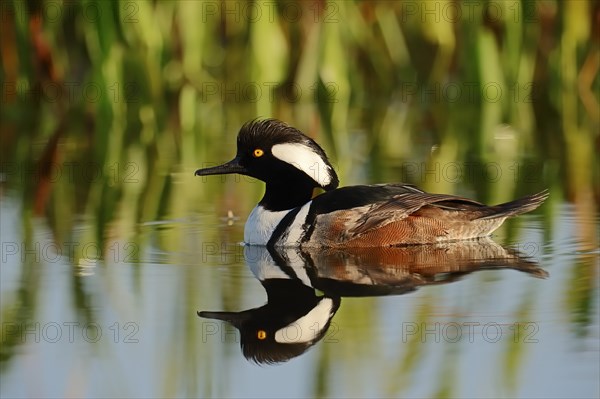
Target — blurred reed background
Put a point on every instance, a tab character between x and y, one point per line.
108	108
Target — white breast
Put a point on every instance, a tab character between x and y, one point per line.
295	230
261	223
264	267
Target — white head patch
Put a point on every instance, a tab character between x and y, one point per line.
305	159
308	327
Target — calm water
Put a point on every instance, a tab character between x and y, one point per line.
127	324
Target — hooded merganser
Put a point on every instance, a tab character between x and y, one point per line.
292	165
295	318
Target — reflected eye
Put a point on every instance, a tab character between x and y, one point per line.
258	153
261	334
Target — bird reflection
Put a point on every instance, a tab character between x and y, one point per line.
295	317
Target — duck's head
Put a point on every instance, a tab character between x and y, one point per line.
281	330
278	154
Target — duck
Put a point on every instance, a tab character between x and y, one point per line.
305	287
292	166
293	320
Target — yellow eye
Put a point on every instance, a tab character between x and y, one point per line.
261	334
257	154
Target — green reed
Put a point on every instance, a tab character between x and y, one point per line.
148	90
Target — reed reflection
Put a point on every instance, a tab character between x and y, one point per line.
295	317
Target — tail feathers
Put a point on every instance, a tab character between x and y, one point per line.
516	207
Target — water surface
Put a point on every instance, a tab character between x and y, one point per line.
127	325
